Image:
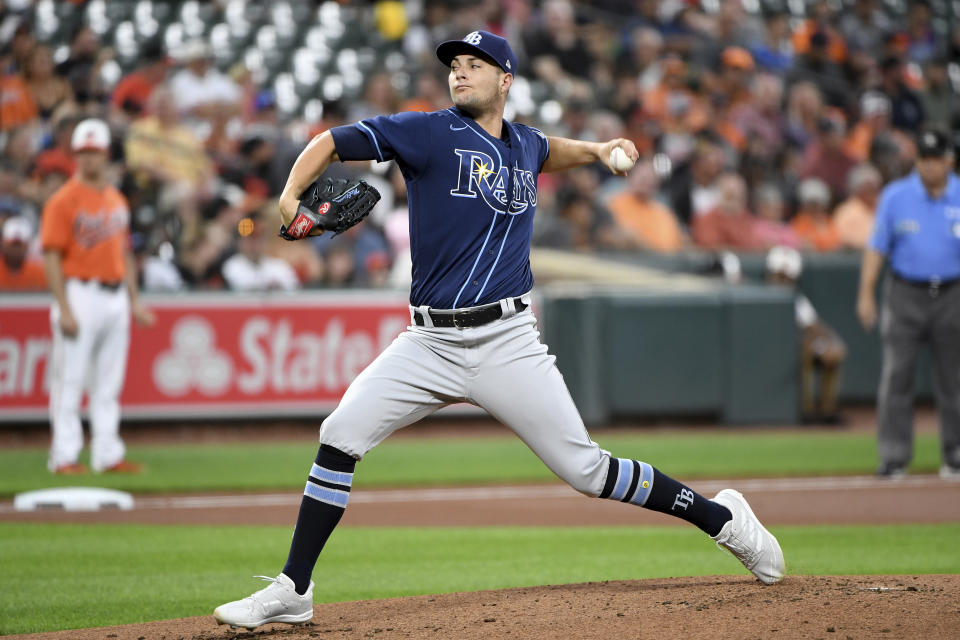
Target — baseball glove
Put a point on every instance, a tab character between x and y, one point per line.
332	205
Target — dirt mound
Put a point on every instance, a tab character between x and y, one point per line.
713	607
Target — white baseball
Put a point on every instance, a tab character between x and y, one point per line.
619	160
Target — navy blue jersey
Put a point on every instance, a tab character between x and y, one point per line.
472	198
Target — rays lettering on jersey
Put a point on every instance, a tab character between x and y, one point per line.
477	176
92	228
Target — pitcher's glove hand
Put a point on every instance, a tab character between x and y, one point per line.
331	205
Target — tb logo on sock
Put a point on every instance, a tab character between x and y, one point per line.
684	499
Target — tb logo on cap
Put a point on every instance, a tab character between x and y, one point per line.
473	38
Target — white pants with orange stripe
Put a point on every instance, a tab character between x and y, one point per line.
95	360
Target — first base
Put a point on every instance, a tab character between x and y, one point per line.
73	499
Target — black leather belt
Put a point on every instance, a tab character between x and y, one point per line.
470	317
933	287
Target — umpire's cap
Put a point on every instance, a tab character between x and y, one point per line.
933	143
484	43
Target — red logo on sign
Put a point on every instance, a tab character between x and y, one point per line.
324	208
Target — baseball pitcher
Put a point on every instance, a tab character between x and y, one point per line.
472	187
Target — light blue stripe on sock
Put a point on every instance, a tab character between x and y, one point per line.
330	496
336	477
623	479
645	486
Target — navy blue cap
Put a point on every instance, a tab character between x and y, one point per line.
483	42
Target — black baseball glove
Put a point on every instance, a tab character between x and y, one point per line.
332	205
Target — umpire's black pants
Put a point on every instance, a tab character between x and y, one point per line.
912	315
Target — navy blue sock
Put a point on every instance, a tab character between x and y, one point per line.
324	501
642	484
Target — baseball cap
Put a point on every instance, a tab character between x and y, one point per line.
16	229
786	261
487	44
91	135
932	143
813	190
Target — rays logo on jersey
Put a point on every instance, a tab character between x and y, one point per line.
478	175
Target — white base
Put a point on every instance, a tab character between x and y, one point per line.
73	499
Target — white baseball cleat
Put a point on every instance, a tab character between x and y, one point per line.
748	540
278	602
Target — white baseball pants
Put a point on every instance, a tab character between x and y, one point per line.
501	367
96	358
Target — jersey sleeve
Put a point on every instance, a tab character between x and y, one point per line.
543	147
881	238
403	137
55	224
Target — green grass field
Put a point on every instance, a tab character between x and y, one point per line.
71	576
452	461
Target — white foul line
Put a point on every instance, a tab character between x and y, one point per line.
528	492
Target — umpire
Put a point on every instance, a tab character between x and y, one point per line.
917	230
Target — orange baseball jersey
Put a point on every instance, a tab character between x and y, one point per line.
30	277
91	228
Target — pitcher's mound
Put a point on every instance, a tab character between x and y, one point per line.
830	607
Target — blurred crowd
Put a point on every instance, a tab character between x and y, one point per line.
756	129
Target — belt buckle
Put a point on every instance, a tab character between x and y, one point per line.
456	320
934	289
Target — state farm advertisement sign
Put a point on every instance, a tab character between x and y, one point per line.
215	354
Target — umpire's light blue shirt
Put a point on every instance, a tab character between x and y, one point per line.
919	235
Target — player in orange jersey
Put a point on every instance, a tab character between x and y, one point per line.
86	240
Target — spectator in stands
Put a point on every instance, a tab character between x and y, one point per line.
636	210
815	65
693	189
250	269
340	266
822	350
874	120
812	221
865	26
906	107
18	270
202	94
81	66
732	93
203	255
48	89
762	115
774	50
922	43
131	95
162	151
729	225
853	218
558	54
770	227
818	32
17	106
431	94
804	111
941	106
826	158
379	97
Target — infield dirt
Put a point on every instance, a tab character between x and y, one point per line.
706	608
